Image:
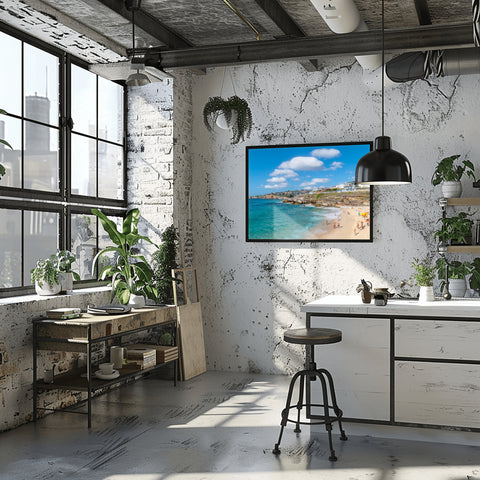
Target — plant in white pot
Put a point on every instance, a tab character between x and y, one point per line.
457	274
425	273
448	173
66	275
45	276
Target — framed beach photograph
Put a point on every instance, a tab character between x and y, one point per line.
307	193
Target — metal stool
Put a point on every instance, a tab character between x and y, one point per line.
311	337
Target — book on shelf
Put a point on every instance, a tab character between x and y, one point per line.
142	356
64	313
165	353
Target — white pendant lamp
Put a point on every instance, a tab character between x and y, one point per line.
135	79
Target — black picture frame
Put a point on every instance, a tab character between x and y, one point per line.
307	193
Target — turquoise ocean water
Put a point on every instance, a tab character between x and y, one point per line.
270	219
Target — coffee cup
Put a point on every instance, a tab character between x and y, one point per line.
106	368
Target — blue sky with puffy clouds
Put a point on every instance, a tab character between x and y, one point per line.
282	168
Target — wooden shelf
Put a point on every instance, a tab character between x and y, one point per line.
463	248
463	201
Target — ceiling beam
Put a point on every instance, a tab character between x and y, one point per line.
287	25
423	13
431	37
149	24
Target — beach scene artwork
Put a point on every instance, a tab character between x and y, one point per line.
307	193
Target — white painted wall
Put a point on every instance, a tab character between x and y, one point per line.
252	292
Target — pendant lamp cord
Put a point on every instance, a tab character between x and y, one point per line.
383	67
133	33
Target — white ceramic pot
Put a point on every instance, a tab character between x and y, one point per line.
66	282
457	287
47	289
426	294
136	301
451	189
222	121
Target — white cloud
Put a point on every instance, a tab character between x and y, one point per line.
326	153
284	172
313	183
277	185
302	164
276	180
335	165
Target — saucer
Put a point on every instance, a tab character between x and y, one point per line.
107	376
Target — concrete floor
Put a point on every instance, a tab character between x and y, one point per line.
217	426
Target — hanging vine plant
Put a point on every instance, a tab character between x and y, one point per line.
237	113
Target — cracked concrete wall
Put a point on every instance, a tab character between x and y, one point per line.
252	292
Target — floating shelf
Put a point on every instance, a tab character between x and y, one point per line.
463	201
463	248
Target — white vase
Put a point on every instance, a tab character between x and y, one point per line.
66	282
47	289
457	287
136	301
426	294
451	189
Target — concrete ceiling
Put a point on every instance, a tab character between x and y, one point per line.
201	33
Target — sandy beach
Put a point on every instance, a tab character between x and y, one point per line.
349	225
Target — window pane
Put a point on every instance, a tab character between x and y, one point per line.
11	159
41	157
10	248
110	171
84	166
11	77
41	233
84	229
41	85
110	110
84	101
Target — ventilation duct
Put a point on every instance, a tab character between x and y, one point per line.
437	63
342	16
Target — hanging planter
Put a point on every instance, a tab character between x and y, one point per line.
234	113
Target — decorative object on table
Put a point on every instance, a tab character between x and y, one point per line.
107	376
455	274
4	142
455	230
321	212
449	174
164	260
108	309
383	166
424	276
232	113
130	273
365	290
380	296
117	356
136	301
65	313
66	275
142	357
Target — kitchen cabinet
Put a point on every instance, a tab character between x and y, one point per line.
86	334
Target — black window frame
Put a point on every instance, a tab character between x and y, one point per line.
62	202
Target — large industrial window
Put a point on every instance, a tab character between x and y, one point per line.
66	129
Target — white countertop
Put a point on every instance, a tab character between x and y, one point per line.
352	304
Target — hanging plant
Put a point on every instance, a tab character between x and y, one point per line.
237	113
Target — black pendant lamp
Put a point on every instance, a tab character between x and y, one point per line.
383	166
135	79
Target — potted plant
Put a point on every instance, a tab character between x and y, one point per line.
233	113
65	259
474	279
164	261
45	276
130	272
455	230
2	168
457	273
449	174
425	273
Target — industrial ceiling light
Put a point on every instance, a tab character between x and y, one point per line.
383	166
135	79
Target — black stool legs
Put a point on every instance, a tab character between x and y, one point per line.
327	419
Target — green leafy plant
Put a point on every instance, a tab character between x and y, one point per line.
456	270
456	229
164	260
47	270
237	115
2	168
425	272
475	277
447	171
130	272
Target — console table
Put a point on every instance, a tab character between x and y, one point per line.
404	363
80	334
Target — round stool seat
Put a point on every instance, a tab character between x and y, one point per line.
312	336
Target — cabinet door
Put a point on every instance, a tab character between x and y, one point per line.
437	393
360	365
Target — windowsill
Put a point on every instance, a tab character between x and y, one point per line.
38	298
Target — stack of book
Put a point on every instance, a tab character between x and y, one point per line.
141	356
64	313
165	353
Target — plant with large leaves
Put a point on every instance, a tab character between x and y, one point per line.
130	273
